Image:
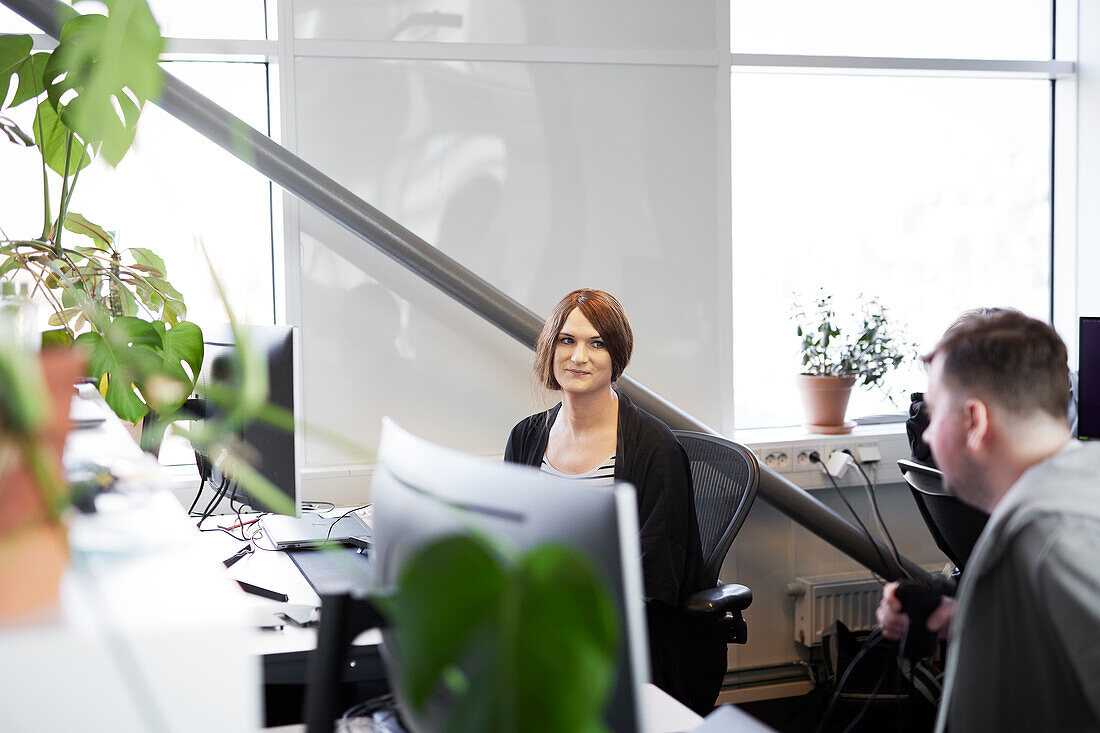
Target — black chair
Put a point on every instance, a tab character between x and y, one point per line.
954	524
725	477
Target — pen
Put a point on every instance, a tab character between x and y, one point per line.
261	592
228	562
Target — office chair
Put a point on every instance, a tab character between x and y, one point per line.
954	524
725	477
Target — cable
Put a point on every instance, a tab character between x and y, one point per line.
333	525
314	506
878	514
815	457
870	699
868	644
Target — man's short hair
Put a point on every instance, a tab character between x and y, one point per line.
1014	360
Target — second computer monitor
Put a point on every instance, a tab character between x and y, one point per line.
272	451
422	491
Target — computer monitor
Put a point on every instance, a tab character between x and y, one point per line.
422	491
1088	380
274	452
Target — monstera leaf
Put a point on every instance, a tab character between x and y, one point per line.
14	52
526	643
102	73
52	138
125	355
181	346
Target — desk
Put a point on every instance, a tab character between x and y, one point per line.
152	634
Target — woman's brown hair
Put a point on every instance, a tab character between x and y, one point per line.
606	315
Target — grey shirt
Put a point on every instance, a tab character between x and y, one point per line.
1024	651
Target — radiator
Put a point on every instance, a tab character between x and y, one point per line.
822	599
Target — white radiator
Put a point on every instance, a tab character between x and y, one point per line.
822	599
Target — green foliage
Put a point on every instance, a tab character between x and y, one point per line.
116	302
525	642
865	345
24	398
103	71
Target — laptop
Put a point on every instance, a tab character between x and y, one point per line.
312	531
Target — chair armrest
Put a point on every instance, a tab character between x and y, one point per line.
718	601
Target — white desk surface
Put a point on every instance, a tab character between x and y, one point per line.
150	626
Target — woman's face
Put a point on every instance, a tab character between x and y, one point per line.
582	362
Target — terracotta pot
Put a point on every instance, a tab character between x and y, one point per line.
824	402
33	551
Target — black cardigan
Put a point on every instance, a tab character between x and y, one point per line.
688	661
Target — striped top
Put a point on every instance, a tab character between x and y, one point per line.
601	475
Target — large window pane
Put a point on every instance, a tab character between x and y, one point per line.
12	22
211	18
930	193
994	29
174	190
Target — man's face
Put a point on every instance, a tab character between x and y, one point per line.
947	434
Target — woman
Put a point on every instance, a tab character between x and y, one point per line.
598	435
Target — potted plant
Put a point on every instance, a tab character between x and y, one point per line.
34	418
115	302
838	354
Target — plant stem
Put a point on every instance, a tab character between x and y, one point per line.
64	195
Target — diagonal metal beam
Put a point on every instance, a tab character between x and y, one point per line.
380	231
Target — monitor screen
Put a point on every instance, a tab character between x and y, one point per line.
271	451
422	491
1088	380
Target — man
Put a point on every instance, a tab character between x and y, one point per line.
1024	632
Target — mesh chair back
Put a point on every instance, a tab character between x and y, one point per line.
953	524
725	476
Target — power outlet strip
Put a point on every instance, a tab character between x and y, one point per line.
877	447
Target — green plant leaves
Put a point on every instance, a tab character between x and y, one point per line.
77	224
14	51
143	364
181	346
148	261
24	398
110	63
126	353
526	643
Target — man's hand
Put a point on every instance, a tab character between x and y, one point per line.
894	621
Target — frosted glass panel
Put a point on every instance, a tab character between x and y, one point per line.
606	24
245	19
541	178
933	194
983	29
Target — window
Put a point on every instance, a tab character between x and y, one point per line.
176	189
930	190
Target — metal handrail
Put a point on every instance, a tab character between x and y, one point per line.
360	218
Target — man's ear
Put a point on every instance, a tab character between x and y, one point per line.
976	423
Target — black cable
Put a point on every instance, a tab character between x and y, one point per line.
878	514
868	644
870	699
333	525
202	485
210	504
815	457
